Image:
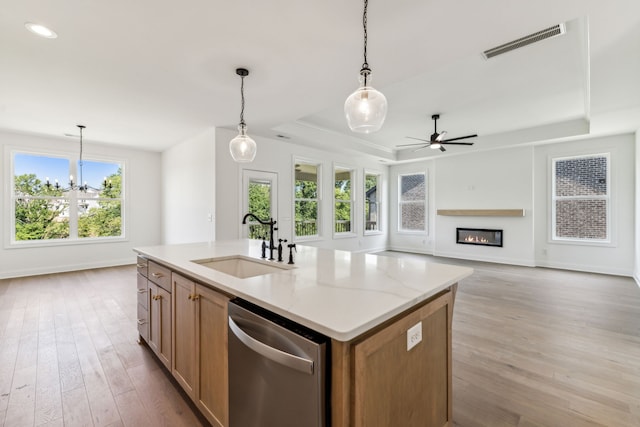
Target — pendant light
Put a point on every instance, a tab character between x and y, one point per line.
366	108
83	186
242	147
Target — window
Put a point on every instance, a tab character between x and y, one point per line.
307	197
45	209
343	200
412	212
261	199
372	197
580	201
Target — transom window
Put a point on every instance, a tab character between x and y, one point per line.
581	198
412	202
45	206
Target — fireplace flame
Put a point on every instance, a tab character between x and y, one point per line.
476	239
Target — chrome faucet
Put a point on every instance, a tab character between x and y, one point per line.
271	224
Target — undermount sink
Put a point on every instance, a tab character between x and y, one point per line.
241	267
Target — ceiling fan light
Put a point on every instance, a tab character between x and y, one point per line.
365	109
435	145
242	147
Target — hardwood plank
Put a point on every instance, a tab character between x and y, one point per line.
132	410
21	405
76	408
48	398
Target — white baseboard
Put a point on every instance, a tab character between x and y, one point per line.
496	260
601	269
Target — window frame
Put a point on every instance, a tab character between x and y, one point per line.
379	192
73	199
318	199
553	238
352	205
400	230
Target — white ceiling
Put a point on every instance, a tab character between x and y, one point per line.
151	74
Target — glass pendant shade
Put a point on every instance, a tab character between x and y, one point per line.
242	147
366	108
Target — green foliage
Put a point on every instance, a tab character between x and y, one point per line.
38	218
39	209
260	206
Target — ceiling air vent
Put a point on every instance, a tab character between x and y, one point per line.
556	30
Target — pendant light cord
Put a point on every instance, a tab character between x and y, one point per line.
365	71
242	101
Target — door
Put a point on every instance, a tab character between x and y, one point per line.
260	197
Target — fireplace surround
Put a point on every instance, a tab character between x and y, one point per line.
479	237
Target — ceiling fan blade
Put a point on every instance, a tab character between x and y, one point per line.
419	139
457	143
412	145
442	149
440	137
461	137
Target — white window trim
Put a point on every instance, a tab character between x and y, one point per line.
73	157
379	191
353	232
576	241
318	164
425	231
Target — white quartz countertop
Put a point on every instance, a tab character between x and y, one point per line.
339	294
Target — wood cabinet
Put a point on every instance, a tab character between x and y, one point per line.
160	323
143	296
200	347
157	304
378	381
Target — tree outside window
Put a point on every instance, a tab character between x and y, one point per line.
371	202
343	204
45	209
306	199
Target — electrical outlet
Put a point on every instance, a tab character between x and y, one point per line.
210	217
414	335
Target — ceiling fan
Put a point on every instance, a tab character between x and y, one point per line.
436	140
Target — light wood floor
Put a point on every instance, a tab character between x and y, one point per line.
532	348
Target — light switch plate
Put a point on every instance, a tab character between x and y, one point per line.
414	335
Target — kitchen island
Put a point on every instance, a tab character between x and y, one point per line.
388	320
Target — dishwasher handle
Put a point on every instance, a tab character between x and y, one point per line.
290	360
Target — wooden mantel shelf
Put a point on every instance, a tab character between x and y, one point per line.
481	212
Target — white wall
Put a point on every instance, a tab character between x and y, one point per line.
636	269
497	179
278	156
518	178
411	242
188	188
616	258
142	205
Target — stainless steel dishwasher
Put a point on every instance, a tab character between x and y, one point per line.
277	370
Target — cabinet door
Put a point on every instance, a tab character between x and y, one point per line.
184	333
397	386
143	301
160	323
211	351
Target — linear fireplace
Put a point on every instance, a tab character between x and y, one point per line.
479	236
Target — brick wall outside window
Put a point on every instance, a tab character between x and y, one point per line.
581	198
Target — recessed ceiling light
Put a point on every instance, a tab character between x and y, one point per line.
40	30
